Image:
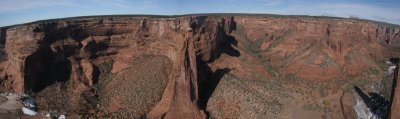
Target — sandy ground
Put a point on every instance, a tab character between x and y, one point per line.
10	106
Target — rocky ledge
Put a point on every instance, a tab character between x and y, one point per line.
194	66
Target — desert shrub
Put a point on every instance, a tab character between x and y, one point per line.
54	99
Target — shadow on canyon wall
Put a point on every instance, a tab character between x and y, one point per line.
44	68
395	76
209	79
394	83
375	102
3	36
47	66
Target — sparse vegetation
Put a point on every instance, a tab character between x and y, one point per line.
132	92
328	62
3	55
54	99
311	106
135	90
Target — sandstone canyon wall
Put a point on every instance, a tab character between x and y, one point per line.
190	66
395	104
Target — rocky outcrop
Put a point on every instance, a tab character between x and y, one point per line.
317	48
180	96
180	99
395	101
2	36
85	57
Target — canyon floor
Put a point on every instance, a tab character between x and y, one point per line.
200	66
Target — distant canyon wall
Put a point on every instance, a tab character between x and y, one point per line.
40	54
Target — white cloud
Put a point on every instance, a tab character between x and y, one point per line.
272	2
148	4
364	11
21	5
344	10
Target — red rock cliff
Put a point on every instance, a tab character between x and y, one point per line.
76	52
395	106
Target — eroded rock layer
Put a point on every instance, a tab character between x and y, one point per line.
194	66
395	106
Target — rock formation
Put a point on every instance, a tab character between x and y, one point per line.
395	106
158	66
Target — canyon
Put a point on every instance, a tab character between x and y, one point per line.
199	66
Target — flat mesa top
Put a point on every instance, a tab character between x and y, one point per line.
205	14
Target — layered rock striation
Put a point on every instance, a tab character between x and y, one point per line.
84	58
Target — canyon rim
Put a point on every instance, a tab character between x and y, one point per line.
202	66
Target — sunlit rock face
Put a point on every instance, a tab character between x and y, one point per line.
363	111
195	66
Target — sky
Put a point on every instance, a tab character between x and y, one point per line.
23	11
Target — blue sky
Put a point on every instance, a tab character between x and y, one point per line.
22	11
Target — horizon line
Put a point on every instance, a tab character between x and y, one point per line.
200	14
